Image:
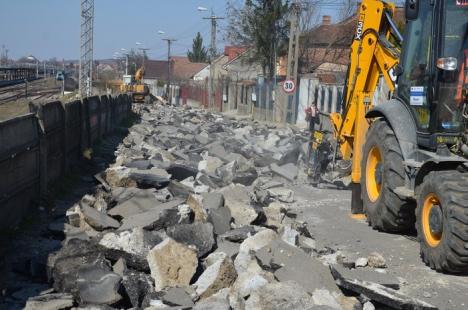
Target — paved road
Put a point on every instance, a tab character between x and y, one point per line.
327	213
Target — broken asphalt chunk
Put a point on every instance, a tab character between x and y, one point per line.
379	293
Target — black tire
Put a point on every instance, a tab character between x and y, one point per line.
389	213
451	189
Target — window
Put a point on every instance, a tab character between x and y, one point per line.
413	84
453	43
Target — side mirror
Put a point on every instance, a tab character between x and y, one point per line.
411	9
447	64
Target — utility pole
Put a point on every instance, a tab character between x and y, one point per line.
2	55
126	64
86	48
168	86
293	57
211	89
143	50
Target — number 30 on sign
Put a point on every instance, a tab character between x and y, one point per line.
289	86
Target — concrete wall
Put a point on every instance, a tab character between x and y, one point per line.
40	147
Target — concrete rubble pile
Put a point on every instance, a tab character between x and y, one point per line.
194	214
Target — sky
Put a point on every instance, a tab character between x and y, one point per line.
51	28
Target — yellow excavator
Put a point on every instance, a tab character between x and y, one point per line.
139	91
409	145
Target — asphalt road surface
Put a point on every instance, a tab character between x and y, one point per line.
327	211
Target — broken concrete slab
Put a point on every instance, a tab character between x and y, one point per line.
282	194
369	275
228	247
132	245
219	274
227	172
119	177
98	220
237	200
239	234
137	284
324	298
212	181
252	244
195	202
140	164
120	267
291	263
289	235
281	296
246	177
181	172
180	190
196	234
209	165
172	264
221	220
98	285
137	205
55	301
63	265
379	293
288	171
217	150
134	205
213	200
152	178
159	219
177	296
121	194
250	281
202	139
275	213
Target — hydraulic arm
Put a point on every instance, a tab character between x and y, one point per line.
372	56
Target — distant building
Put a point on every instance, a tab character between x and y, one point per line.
330	43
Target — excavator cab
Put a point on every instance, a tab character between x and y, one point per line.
433	82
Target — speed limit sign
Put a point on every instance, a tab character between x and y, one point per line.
289	86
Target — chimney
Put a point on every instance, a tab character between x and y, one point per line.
326	20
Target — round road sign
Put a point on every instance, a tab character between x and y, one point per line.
289	86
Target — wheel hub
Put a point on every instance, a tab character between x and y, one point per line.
379	173
436	220
432	220
374	174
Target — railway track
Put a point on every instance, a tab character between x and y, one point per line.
35	90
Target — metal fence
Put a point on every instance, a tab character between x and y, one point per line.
328	97
39	148
264	100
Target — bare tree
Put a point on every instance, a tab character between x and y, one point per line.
261	24
309	19
347	9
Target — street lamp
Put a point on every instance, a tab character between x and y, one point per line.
143	51
202	9
31	57
126	60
